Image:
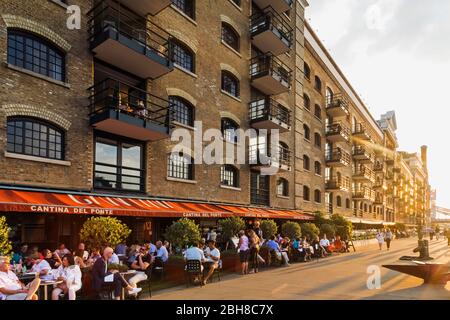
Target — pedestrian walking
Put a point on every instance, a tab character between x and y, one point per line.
388	238
380	239
244	249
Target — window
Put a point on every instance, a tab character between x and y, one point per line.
180	166
306	132
306	102
183	111
182	55
317	140
259	189
283	187
35	138
317	196
329	94
229	176
318	111
283	151
237	2
230	84
307	71
35	54
230	36
339	201
119	164
347	203
229	128
306	164
306	195
317	84
186	6
317	168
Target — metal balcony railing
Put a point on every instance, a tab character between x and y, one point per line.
268	64
266	109
269	19
338	155
338	128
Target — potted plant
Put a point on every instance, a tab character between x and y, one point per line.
5	244
99	232
269	228
291	229
183	232
310	230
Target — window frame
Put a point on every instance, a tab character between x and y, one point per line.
306	132
317	195
235	171
188	167
229	28
181	5
318	84
306	160
284	183
306	193
181	50
227	74
177	103
228	121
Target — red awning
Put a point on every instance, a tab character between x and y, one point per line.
63	203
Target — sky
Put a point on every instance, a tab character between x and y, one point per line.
396	55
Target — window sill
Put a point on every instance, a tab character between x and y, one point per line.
283	197
230	188
235	5
179	124
186	71
181	180
231	48
184	15
37	75
60	3
230	95
36	159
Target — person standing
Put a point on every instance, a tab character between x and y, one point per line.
388	238
243	251
254	249
380	239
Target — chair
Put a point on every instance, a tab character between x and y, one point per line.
193	268
274	259
158	266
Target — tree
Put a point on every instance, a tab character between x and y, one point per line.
344	228
269	228
104	231
310	230
328	229
291	229
319	219
5	244
231	226
183	232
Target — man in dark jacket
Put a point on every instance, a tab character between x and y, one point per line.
101	277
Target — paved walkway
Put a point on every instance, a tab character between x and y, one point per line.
339	277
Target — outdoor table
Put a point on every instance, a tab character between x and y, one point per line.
126	275
26	277
46	283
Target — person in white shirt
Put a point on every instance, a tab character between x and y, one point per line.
70	275
114	259
161	252
81	252
41	267
10	286
380	238
213	258
62	250
195	253
325	243
151	248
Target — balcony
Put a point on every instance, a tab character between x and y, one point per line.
260	157
379	200
266	113
337	132
336	184
364	194
360	132
337	158
378	167
364	174
279	6
269	75
128	111
129	42
337	106
362	155
145	7
380	184
270	32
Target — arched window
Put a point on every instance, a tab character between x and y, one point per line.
283	151
306	195
229	128
230	84
306	163
306	132
318	111
35	138
186	6
183	55
347	203
365	207
317	84
307	71
317	196
230	36
183	111
28	51
317	168
329	94
306	102
339	201
180	166
229	176
283	187
317	140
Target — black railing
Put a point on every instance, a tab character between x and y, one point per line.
337	100
338	155
259	196
364	193
365	172
266	109
259	155
269	19
337	128
107	176
361	151
360	128
111	16
335	183
268	64
111	94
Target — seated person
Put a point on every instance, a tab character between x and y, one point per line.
325	243
195	253
62	250
212	255
70	275
93	257
41	267
10	286
305	249
151	248
48	256
161	252
140	264
114	259
319	251
102	278
275	247
81	252
339	245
